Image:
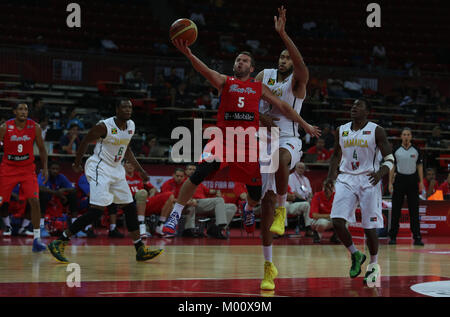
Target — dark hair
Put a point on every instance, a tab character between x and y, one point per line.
73	125
190	164
53	163
406	128
178	169
252	59
366	103
120	100
17	104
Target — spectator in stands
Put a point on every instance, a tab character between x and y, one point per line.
336	88
151	148
173	79
445	187
181	96
435	140
379	55
73	119
44	127
300	185
202	205
297	207
328	136
57	187
430	183
353	88
323	155
38	110
198	18
320	213
204	101
70	142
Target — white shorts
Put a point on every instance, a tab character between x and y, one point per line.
294	146
107	184
354	189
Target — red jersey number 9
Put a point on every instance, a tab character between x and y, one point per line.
20	148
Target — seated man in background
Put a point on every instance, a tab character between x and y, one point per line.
202	205
70	142
430	183
295	206
148	201
445	187
59	187
14	204
320	213
323	155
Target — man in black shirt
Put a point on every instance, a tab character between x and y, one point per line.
408	181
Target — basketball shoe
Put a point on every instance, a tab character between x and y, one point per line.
144	253
358	259
270	273
249	220
38	246
170	227
279	221
57	248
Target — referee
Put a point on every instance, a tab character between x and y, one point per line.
409	173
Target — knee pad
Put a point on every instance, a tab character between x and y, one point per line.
131	217
141	196
203	170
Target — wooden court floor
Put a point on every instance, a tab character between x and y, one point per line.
209	267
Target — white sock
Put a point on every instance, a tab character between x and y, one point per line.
25	223
162	219
248	207
112	226
41	224
142	228
87	227
267	253
178	209
73	219
141	218
37	233
6	221
352	249
281	200
374	258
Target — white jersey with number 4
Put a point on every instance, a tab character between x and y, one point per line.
282	90
111	149
360	153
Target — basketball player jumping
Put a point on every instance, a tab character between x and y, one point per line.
238	108
355	153
106	177
17	167
288	82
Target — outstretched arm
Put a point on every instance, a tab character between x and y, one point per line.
301	73
216	79
288	111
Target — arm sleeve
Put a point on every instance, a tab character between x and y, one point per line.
420	158
64	182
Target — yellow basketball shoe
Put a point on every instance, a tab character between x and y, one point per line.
270	273
278	221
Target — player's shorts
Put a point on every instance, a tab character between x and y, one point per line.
10	176
354	189
294	146
107	183
156	203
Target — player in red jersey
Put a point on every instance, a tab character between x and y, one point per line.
17	167
239	108
148	200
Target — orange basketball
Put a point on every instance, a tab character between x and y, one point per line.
183	29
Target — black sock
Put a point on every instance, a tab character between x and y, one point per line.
138	244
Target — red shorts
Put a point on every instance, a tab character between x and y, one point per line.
156	203
10	176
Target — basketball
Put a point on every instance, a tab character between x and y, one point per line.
183	29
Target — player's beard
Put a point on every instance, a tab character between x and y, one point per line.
287	72
241	73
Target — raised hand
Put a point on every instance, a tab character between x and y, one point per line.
313	130
280	22
182	46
